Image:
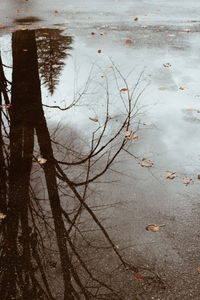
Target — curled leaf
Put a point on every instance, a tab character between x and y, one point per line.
124	90
146	163
94	119
152	227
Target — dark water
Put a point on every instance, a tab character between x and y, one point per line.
90	124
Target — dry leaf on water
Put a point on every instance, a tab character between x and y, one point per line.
147	123
128	133
94	119
93	33
133	138
56	11
170	175
163	88
99	51
146	163
5	105
124	90
128	42
2	216
167	65
42	160
198	176
135	19
152	227
187	180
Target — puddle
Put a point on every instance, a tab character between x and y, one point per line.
99	156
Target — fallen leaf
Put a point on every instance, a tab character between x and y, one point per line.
124	90
167	65
187	180
2	216
128	42
56	11
138	276
146	163
198	176
99	51
128	133
152	227
93	33
147	123
94	119
5	105
41	160
135	19
170	175
198	270
182	88
163	88
133	138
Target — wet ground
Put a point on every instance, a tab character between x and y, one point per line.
99	139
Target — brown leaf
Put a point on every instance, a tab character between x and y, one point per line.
170	175
128	42
182	88
42	160
187	180
5	105
198	270
167	65
146	163
152	227
94	119
99	51
163	88
93	33
133	138
138	276
147	123
135	19
124	90
198	176
2	216
56	11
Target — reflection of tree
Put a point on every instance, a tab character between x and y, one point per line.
52	48
36	236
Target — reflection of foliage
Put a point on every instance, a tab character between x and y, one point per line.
54	244
52	48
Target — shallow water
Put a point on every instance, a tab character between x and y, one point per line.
75	196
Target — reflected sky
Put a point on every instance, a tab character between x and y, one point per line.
56	242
